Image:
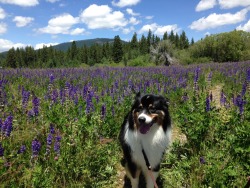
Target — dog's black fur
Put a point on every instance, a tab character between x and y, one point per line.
146	127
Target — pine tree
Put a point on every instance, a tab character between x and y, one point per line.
134	42
117	49
149	39
84	55
11	58
192	41
177	40
143	45
184	43
165	36
171	37
73	51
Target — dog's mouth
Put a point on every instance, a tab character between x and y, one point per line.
145	127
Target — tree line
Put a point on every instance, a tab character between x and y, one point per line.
224	47
110	52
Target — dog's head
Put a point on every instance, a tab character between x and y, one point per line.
149	110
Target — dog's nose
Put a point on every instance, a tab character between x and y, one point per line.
142	119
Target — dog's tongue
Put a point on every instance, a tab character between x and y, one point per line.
144	128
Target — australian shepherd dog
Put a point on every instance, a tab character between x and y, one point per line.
144	137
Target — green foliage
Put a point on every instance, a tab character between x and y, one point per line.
140	61
223	47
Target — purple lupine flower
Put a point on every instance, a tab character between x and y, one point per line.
248	75
9	127
89	103
57	144
85	91
54	95
22	149
196	74
196	77
36	147
240	102
62	95
185	97
1	125
36	103
49	142
51	78
49	139
25	98
209	78
208	108
103	112
1	150
244	89
52	129
202	160
31	113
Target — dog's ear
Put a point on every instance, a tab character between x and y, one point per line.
166	101
137	100
138	95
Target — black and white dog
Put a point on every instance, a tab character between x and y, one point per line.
144	137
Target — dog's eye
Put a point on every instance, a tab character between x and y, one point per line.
139	109
152	110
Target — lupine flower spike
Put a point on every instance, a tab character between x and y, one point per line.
36	147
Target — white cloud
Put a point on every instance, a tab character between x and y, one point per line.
148	27
124	3
77	31
131	12
133	21
5	45
97	17
60	25
158	29
245	27
52	1
2	13
207	34
3	28
41	45
215	20
149	17
205	4
22	21
227	4
168	28
23	3
128	30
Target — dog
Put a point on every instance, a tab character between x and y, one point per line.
144	137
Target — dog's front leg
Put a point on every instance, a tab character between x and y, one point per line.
151	177
133	174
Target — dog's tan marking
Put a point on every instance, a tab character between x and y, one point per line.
135	116
158	117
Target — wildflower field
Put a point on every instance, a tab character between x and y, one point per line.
59	127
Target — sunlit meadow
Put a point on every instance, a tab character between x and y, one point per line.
59	127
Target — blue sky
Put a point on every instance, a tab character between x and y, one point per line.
45	22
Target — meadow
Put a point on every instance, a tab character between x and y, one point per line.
59	127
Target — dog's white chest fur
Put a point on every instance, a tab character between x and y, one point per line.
154	144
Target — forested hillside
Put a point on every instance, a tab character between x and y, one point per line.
172	48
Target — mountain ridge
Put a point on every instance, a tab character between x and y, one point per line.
79	43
